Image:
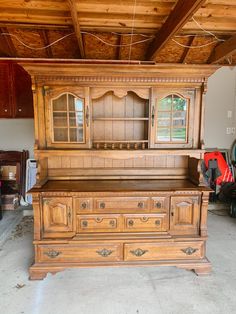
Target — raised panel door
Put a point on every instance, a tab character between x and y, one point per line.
5	91
185	215
58	217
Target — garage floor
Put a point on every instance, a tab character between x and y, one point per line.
121	290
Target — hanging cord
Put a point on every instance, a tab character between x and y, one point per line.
132	29
192	47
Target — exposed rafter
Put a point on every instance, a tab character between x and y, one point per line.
44	37
74	16
8	43
182	12
223	50
187	50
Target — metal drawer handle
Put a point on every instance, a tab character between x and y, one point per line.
84	205
130	223
112	223
158	205
104	252
98	219
138	252
84	223
189	250
52	253
102	205
157	223
141	205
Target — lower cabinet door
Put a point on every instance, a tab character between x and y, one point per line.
163	251
58	217
185	215
79	253
146	223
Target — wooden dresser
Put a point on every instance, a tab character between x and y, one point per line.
119	181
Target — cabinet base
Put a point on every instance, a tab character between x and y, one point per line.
200	267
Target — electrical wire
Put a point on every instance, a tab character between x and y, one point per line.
33	48
83	32
192	47
210	33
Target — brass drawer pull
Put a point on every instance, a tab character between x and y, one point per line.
157	223
102	205
52	253
104	252
84	223
84	205
130	223
112	223
189	250
144	219
138	252
98	219
141	205
158	204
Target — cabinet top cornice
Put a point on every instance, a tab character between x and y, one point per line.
122	72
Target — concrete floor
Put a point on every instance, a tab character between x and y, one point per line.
122	290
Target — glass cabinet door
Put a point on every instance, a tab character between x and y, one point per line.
68	121
172	120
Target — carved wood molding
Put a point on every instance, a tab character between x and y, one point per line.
121	79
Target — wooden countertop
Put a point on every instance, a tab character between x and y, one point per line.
117	186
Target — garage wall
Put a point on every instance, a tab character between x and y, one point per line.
220	99
18	134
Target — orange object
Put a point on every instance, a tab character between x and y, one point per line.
226	175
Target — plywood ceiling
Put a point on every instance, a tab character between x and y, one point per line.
181	31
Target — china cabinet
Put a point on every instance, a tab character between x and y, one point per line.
119	149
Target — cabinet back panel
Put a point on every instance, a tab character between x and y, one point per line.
112	107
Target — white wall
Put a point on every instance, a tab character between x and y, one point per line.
17	134
220	98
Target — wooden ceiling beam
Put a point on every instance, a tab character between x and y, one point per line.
223	50
11	50
45	40
182	12
187	49
74	16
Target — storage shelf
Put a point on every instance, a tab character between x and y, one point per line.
120	119
114	141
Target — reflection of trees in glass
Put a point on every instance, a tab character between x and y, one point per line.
171	119
68	118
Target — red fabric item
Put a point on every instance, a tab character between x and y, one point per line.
226	175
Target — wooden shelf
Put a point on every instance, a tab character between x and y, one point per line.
120	119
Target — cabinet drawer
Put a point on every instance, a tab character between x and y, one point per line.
83	205
163	251
121	204
98	223
79	253
150	222
160	204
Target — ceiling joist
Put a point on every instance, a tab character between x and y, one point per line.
182	12
74	16
8	42
44	37
223	50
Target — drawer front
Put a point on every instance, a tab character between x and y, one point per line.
98	223
163	251
79	253
83	205
160	204
121	204
150	222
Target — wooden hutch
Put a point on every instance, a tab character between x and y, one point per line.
119	150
